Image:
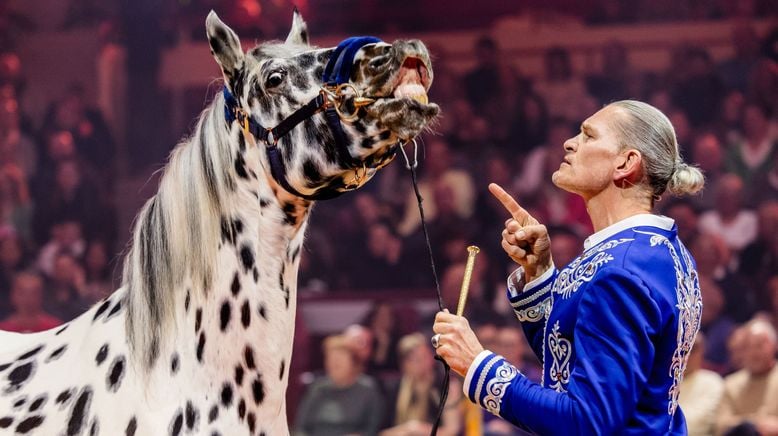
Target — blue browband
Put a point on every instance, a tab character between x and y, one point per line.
336	72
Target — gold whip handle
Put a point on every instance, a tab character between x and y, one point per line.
472	251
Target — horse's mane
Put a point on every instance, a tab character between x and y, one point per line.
176	234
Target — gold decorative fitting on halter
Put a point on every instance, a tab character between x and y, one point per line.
243	119
358	179
337	96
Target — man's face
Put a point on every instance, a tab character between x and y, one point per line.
591	156
759	353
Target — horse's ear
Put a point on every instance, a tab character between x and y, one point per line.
225	46
299	32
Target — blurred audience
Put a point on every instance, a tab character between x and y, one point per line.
345	401
28	315
750	403
701	392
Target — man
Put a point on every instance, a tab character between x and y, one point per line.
750	403
615	327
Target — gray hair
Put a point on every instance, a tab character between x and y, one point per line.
646	129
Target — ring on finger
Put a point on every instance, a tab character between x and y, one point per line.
435	341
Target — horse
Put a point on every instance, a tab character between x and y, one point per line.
198	338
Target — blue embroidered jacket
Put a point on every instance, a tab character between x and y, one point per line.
613	329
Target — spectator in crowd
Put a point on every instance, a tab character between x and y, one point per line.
563	90
772	290
736	70
360	339
15	202
750	403
717	327
728	125
751	156
98	282
28	315
613	80
759	260
381	264
66	238
66	296
713	260
702	391
16	146
729	219
566	245
530	128
686	216
697	90
344	401
708	154
413	399
12	261
383	324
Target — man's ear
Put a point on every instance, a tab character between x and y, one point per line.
299	32
225	46
628	168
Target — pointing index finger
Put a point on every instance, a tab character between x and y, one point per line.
517	212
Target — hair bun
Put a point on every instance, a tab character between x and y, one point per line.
686	180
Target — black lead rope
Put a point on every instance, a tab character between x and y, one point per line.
446	368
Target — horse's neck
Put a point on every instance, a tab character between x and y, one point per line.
241	330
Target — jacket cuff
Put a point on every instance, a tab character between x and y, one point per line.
533	302
488	379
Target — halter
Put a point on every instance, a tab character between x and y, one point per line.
331	100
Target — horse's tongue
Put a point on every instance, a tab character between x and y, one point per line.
410	83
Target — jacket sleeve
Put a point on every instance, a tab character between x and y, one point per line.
613	341
531	303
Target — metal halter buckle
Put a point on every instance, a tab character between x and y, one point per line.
337	97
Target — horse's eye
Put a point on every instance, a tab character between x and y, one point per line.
275	78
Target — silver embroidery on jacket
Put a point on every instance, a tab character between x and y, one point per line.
583	268
534	313
689	304
497	387
561	349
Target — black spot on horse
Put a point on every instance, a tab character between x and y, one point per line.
225	315
240	167
30	353
248	354
19	375
94	428
237	226
242	408
65	327
198	319
213	414
367	143
6	421
29	423
263	202
239	375
290	216
295	253
192	415
114	311
102	353
306	60
40	401
258	390
186	301
245	314
131	427
56	354
200	347
262	312
226	229
115	374
235	286
226	394
247	257
241	143
385	135
177	423
4	366
19	403
255	273
251	419
281	371
103	307
64	396
80	412
286	296
174	361
312	173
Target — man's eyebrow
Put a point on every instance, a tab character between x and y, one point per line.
588	128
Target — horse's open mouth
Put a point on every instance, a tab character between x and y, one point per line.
412	81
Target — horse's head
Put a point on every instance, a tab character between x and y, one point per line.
347	132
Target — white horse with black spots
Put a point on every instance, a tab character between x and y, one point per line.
198	338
